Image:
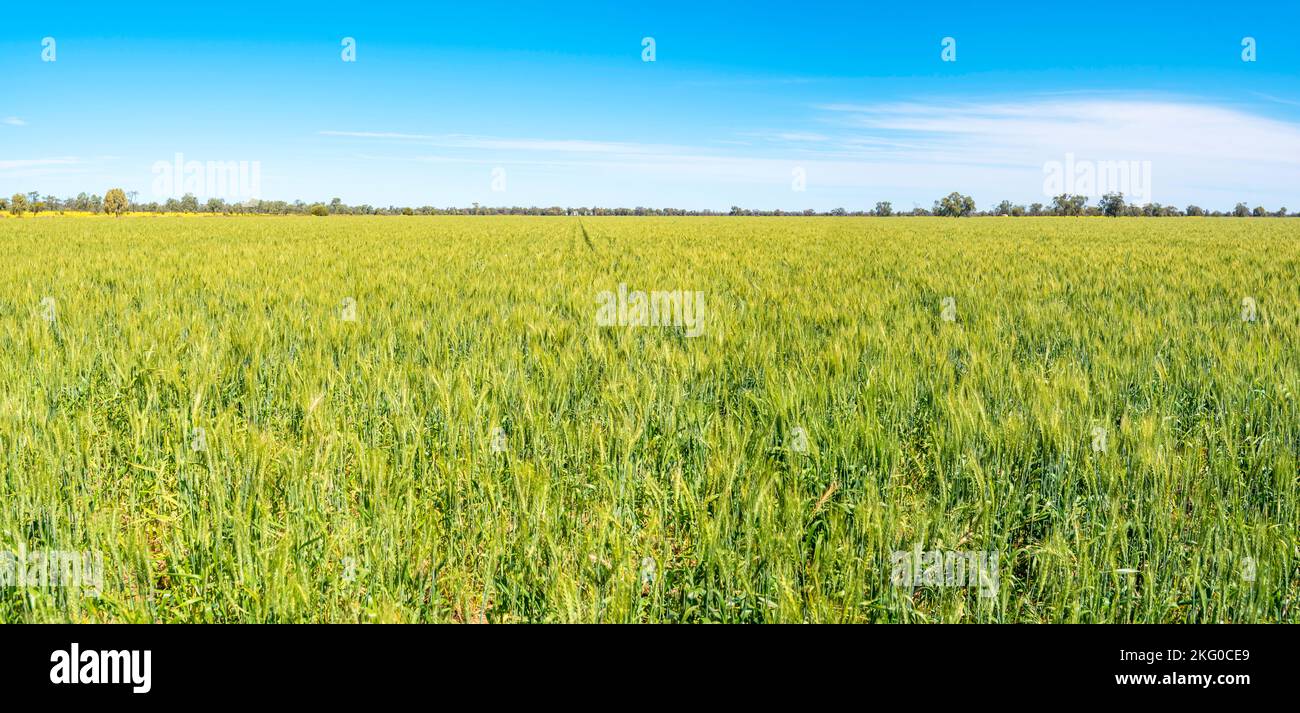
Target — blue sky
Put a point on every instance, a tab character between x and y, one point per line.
763	105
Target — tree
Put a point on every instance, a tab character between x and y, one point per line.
1004	208
884	208
1241	211
18	204
954	205
1112	205
115	202
319	209
1259	212
1195	210
189	204
1066	204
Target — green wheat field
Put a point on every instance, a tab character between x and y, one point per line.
378	419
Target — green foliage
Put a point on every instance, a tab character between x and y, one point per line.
115	202
1069	205
954	205
1112	205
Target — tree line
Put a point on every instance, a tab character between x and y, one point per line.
116	202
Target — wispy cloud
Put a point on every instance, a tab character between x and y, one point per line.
376	135
13	121
8	165
788	136
1198	151
28	168
1278	100
1034	131
470	141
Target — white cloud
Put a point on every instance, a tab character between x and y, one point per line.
470	141
375	135
13	121
1037	131
10	165
789	136
916	151
1197	151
